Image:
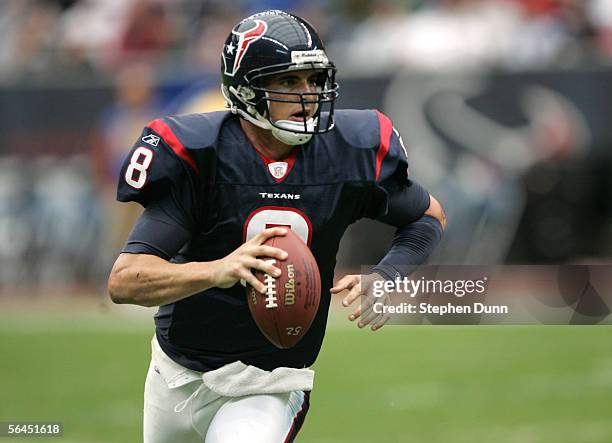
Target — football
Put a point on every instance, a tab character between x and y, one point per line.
288	307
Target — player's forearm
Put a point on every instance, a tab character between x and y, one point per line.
147	280
411	247
414	240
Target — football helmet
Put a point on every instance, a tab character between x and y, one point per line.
270	43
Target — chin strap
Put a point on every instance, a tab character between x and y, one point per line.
287	134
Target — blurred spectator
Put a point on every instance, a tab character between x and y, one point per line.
210	34
564	23
29	31
600	15
15	221
541	36
94	27
450	35
65	219
75	36
148	30
120	126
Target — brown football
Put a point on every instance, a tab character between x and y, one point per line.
286	311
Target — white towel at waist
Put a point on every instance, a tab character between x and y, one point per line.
235	379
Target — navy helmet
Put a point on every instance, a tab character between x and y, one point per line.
270	43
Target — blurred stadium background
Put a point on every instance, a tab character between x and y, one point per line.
504	106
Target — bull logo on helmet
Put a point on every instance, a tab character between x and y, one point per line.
243	41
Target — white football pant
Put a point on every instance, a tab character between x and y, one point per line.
179	409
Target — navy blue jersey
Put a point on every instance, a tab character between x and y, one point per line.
222	191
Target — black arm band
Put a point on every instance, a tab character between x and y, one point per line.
411	246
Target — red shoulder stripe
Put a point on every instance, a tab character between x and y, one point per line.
172	140
386	128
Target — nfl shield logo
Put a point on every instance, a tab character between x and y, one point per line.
278	169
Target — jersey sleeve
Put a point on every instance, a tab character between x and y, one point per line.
158	231
159	168
396	199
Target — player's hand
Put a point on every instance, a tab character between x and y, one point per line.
240	263
360	287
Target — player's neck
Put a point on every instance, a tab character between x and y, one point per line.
265	142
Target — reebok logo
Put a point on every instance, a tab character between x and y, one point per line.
151	139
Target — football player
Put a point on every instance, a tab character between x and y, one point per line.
215	187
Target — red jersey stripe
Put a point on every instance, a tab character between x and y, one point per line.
386	128
164	131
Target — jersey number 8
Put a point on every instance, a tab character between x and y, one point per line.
271	216
139	163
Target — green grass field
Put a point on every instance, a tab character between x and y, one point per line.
402	384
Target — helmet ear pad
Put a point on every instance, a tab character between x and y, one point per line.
244	98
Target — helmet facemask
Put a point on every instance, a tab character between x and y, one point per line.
256	98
